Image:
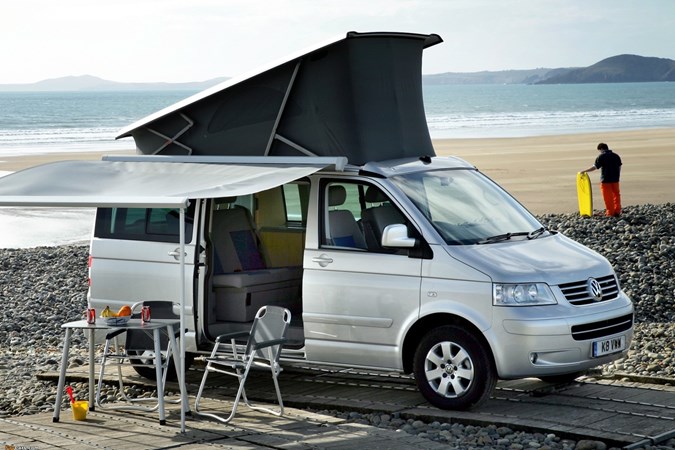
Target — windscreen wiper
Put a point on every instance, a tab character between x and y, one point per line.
506	236
536	233
502	237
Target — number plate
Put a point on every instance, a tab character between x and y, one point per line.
608	346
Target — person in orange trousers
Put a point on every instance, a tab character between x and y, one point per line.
609	164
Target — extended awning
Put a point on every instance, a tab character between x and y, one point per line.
141	183
358	96
150	183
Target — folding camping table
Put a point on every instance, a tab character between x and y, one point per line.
156	326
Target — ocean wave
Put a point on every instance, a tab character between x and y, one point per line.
41	140
515	123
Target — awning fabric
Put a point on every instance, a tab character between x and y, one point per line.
140	184
145	184
359	96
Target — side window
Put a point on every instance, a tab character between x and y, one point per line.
355	216
296	200
143	224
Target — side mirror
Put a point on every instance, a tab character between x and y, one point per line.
396	235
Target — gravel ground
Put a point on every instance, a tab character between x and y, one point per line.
43	287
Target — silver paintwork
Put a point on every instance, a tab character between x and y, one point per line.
359	307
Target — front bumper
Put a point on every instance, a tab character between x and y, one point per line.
536	341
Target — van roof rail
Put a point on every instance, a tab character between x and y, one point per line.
337	163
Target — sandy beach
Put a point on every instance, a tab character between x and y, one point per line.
539	171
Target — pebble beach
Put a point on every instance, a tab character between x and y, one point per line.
46	286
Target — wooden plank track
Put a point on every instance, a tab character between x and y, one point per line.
249	430
618	413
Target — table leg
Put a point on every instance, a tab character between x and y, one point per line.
158	373
176	362
92	379
62	376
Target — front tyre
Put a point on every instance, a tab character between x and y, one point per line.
143	362
453	370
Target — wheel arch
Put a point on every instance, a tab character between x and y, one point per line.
428	323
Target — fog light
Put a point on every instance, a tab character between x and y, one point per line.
533	358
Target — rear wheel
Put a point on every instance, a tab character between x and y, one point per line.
144	364
452	368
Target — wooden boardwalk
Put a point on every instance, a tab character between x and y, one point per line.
619	414
249	430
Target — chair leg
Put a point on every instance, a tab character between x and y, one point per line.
104	360
214	416
240	393
280	412
207	369
276	387
120	378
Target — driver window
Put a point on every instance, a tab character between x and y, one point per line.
355	216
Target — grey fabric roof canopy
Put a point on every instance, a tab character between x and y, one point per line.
358	96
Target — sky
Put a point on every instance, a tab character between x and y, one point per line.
195	40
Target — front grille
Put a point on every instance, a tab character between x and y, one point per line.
577	293
603	328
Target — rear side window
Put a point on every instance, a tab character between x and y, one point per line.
143	224
296	199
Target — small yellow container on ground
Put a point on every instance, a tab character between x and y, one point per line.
80	408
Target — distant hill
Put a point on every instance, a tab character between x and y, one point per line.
91	83
527	76
618	69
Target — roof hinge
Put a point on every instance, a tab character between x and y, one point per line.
172	140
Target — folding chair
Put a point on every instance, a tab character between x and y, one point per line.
263	348
131	353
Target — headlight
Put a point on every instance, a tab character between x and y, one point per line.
530	294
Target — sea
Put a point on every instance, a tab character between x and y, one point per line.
38	122
44	122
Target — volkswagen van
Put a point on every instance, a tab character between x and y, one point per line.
388	256
421	266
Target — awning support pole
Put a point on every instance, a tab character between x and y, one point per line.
183	394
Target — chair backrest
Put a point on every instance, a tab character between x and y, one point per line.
270	323
344	231
237	247
376	218
138	339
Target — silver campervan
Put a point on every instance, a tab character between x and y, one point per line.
388	256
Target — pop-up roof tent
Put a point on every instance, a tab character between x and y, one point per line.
359	96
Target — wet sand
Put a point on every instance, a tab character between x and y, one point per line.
14	163
539	171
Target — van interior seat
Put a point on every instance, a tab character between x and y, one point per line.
376	218
256	277
241	280
343	229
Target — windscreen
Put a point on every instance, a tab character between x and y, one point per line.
466	207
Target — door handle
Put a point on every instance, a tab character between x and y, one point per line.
176	254
322	259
